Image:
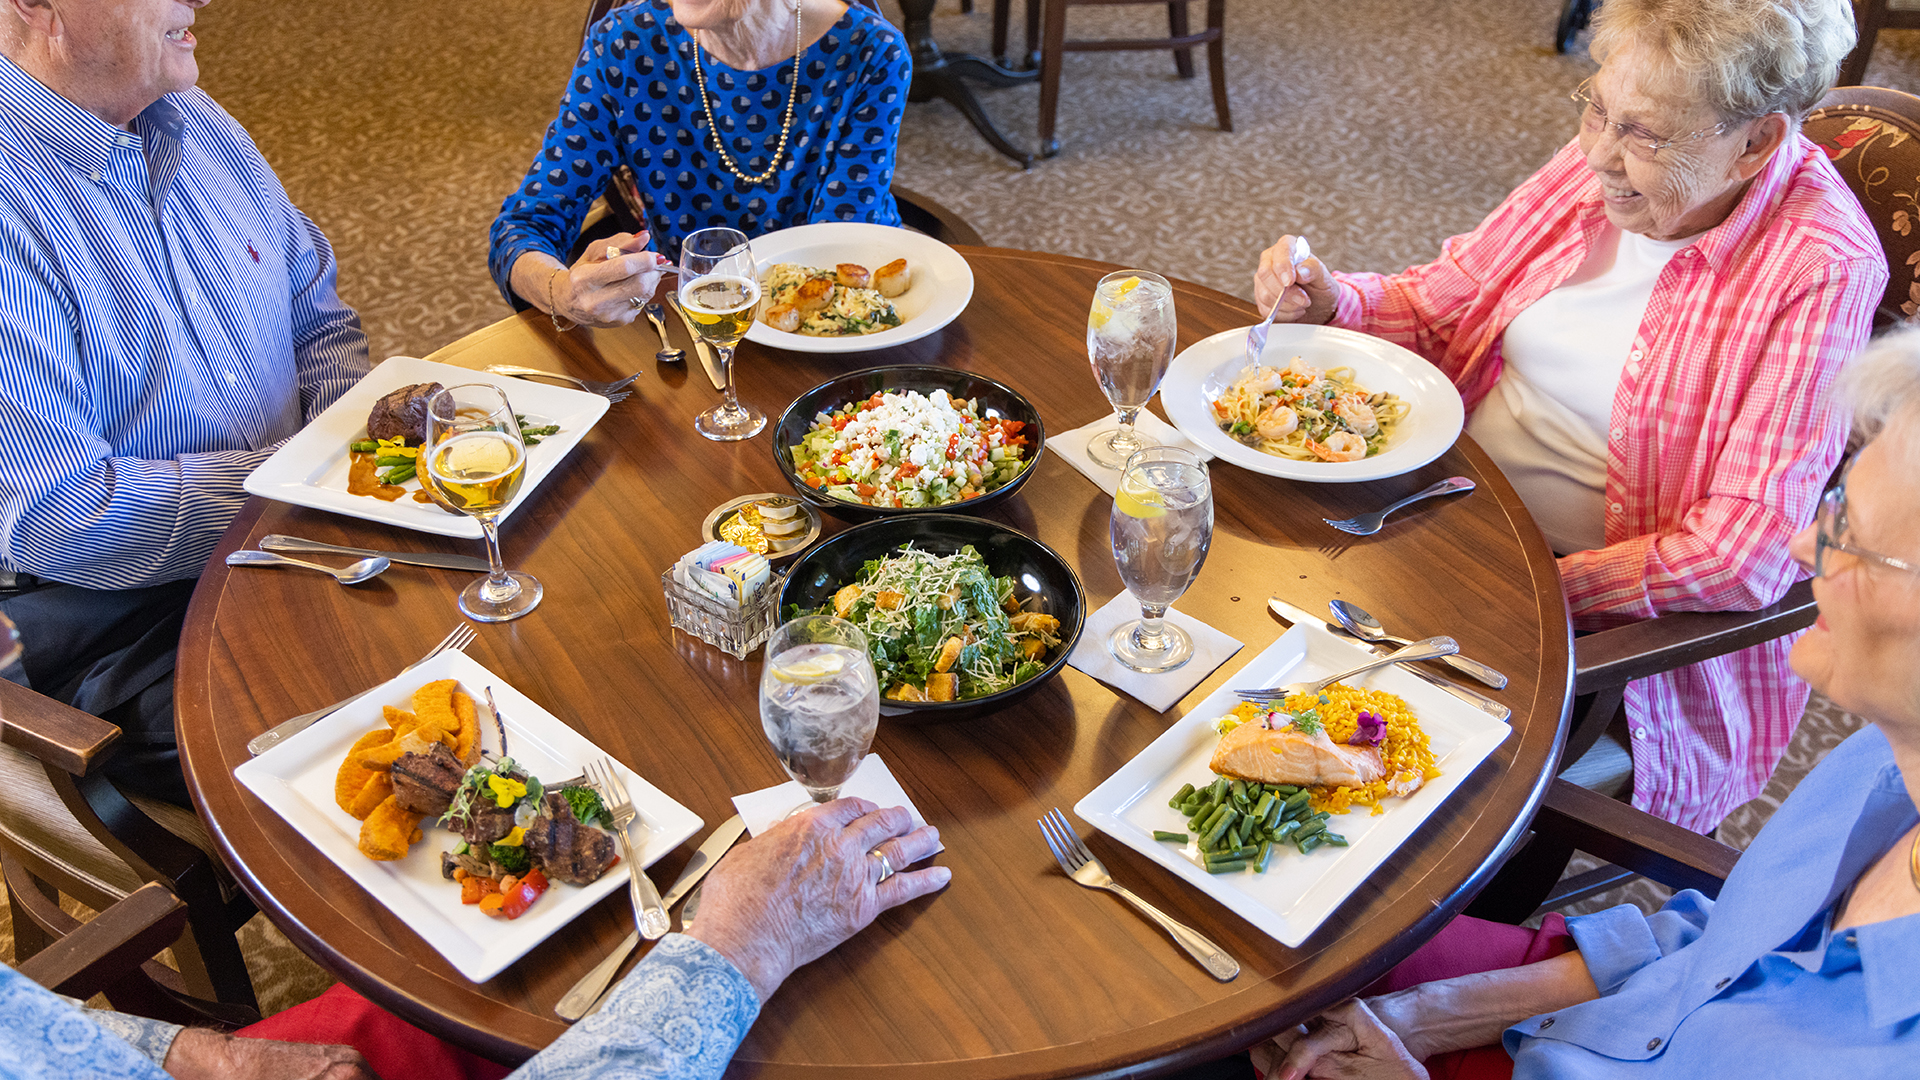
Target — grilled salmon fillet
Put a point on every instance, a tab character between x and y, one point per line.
1254	752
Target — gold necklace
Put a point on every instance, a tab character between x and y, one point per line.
786	126
1913	860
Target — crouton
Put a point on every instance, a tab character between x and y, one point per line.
943	687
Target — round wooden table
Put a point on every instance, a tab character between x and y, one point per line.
1012	971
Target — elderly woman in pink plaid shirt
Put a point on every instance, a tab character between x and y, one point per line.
1644	333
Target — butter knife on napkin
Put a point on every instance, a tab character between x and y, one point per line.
1479	701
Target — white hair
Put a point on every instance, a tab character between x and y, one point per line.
1882	386
1747	58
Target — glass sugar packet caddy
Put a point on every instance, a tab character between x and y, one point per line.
725	596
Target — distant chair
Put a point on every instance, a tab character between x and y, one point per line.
1575	15
1873	136
1054	45
1871	17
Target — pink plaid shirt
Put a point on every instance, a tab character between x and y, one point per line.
1720	441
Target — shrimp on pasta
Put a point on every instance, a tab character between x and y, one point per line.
1308	414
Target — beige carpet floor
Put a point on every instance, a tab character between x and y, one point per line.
1376	127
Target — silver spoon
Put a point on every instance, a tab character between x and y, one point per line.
667	354
350	574
1363	625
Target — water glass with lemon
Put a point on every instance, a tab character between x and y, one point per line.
1130	340
819	701
1161	528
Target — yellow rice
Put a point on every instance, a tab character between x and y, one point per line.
1404	751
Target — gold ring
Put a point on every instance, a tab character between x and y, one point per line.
613	252
886	868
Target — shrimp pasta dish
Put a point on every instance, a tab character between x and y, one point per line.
1307	413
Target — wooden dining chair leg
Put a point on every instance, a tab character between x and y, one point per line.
1217	61
1871	16
1052	51
1002	16
1177	27
1033	33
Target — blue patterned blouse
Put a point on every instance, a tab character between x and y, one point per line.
633	99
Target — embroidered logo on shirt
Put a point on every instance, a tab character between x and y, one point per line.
255	254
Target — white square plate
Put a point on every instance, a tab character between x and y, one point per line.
1297	892
296	780
310	469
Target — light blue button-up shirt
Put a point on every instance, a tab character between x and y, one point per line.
1756	984
166	318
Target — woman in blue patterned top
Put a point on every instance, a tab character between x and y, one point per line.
806	95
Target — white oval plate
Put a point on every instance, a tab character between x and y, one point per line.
942	281
1205	370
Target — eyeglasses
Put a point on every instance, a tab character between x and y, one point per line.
1831	530
1641	142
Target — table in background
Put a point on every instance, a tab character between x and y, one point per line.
1013	971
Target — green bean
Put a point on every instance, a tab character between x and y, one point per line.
1276	814
1214	818
387	461
1286	830
1264	805
1283	790
1260	860
1229	855
1309	829
366	446
1298	798
1217	790
1220	827
1180	796
1170	837
1227	867
1335	839
400	474
1312	842
1239	790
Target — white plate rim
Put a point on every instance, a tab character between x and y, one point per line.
774	247
287	476
297	774
1437	419
1140	788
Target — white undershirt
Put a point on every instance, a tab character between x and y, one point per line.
1545	421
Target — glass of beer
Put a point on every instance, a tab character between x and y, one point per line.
719	292
1130	340
474	460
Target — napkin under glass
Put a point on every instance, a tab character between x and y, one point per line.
1162	691
1071	446
872	781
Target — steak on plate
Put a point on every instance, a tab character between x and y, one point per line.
563	848
402	414
425	783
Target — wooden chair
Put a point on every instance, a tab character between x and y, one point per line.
1869	18
65	829
1054	45
621	208
1873	137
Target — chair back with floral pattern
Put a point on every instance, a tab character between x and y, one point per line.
1873	136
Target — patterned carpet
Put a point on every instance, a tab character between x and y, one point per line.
1377	127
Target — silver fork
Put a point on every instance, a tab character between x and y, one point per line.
1297	253
461	637
1425	649
1080	865
612	391
649	914
1368	524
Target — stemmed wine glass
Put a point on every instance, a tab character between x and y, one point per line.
819	701
475	460
1130	339
1161	528
719	292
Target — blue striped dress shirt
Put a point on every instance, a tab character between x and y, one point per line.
166	318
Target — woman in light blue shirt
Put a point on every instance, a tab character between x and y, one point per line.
1805	965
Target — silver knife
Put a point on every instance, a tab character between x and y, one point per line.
1479	701
585	996
277	542
699	344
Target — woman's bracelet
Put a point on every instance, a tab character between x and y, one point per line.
553	311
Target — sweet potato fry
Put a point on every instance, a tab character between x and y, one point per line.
352	777
379	785
382	757
466	738
433	704
399	719
387	832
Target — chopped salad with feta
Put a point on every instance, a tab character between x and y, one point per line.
909	449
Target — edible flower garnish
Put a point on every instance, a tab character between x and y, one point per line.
505	789
1370	730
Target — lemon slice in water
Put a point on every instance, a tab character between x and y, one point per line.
1138	502
1097	317
810	669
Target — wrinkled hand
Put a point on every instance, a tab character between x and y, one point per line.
1304	293
599	290
1347	1042
807	884
198	1053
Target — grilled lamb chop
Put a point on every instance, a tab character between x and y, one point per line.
402	414
486	820
563	848
425	783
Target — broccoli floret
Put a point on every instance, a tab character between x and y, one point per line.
587	806
514	860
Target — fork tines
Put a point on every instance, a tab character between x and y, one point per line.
1261	695
1347	525
1067	847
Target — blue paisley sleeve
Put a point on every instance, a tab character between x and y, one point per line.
48	1036
857	176
680	1014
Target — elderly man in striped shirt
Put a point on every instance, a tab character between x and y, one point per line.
169	317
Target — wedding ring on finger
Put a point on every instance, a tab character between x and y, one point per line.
613	252
886	868
636	303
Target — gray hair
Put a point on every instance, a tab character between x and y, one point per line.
1882	386
1747	57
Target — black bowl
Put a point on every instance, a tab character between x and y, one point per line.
1035	568
996	400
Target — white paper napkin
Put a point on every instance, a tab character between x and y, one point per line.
872	781
1072	445
1211	648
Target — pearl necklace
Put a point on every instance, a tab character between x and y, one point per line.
786	126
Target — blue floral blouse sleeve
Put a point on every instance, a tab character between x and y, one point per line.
48	1036
681	1014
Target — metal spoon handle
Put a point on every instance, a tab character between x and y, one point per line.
268	558
1429	649
1466	665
